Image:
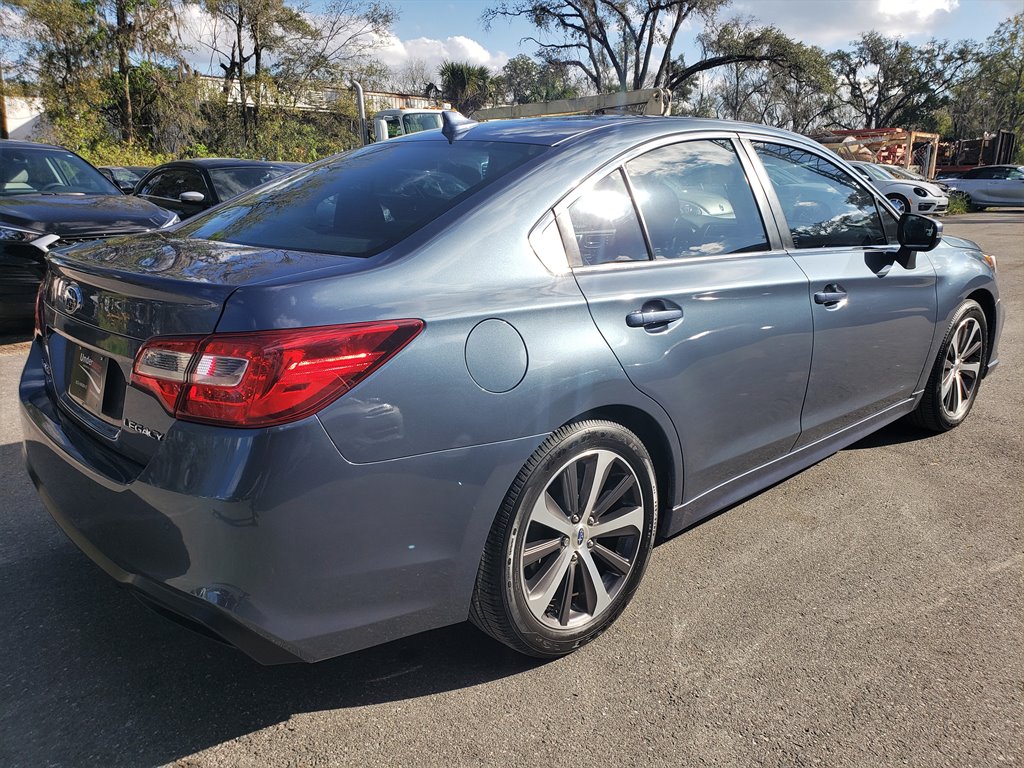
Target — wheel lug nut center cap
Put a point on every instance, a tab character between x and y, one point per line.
581	536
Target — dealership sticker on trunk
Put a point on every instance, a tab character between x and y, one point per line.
87	376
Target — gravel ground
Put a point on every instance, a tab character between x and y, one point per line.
867	612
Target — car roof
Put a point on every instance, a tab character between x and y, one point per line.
227	162
30	145
549	131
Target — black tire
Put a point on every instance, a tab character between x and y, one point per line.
501	606
935	412
901	203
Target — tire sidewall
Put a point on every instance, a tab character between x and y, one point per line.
547	640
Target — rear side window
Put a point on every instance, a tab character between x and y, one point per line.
696	201
823	204
605	224
362	202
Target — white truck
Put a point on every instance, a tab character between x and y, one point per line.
389	123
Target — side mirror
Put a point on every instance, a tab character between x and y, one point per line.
916	233
126	186
191	197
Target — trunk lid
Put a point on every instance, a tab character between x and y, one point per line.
103	301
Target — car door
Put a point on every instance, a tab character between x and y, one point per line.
166	187
1006	187
873	318
705	311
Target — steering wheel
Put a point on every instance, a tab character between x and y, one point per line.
54	187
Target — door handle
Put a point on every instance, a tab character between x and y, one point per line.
639	318
832	294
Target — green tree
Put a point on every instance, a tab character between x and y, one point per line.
992	97
798	94
629	44
887	82
520	78
65	54
468	87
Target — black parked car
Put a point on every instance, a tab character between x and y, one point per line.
50	197
124	176
190	186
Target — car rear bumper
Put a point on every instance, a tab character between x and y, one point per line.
269	539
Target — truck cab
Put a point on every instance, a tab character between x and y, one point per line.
389	123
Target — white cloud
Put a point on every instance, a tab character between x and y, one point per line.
835	23
396	53
921	10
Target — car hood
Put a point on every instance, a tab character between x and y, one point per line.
82	215
959	242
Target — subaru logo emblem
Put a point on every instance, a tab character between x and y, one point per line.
72	298
579	537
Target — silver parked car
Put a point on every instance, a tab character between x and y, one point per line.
912	195
477	372
991	186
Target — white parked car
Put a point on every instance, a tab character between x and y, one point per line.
908	195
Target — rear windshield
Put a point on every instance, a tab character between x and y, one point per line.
363	202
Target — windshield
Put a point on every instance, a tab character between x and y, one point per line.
30	170
874	171
903	173
415	123
359	203
231	182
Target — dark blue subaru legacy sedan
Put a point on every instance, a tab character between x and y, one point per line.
476	373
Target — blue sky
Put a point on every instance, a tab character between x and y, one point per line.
433	30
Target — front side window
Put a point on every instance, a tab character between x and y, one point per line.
696	200
980	173
824	206
359	203
173	182
605	224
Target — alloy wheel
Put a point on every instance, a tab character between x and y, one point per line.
581	539
961	369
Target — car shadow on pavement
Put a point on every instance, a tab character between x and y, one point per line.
15	335
897	433
92	677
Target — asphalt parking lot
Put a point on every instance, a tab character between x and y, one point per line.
867	612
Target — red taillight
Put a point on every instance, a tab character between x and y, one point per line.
40	314
265	378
